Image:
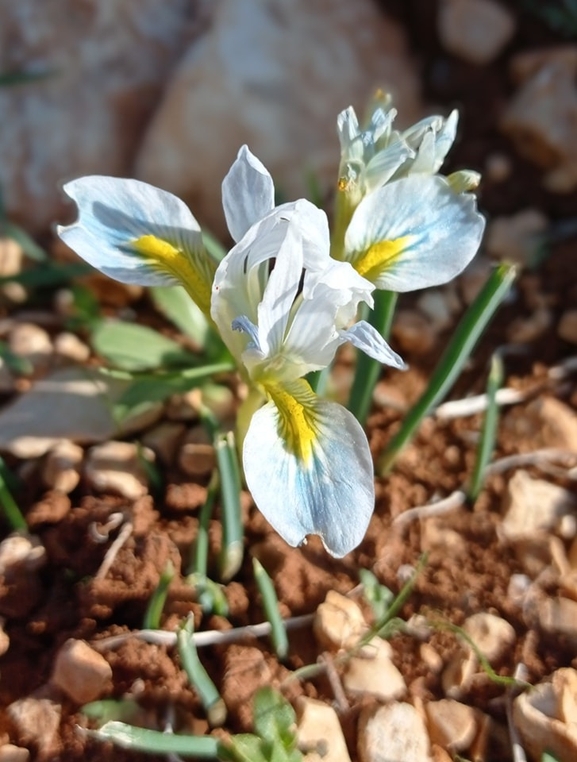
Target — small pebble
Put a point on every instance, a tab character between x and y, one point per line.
196	456
69	347
338	622
492	635
164	440
80	671
319	732
32	343
11	753
393	732
374	674
36	721
62	466
452	725
116	467
475	30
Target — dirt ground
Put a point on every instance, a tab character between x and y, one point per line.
468	569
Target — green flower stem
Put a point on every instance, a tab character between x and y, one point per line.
489	430
368	370
270	603
454	358
156	742
230	487
211	700
12	513
153	613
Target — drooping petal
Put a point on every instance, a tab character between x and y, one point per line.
136	233
413	233
308	466
247	193
366	338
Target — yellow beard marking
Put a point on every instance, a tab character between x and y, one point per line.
162	255
380	256
297	420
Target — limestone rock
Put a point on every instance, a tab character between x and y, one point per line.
70	348
539	717
32	343
492	635
373	673
557	423
21	553
105	65
273	75
36	721
541	117
475	30
452	725
516	238
558	617
80	671
117	467
61	469
338	622
393	732
196	456
319	732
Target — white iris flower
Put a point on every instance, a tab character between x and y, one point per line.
398	222
282	306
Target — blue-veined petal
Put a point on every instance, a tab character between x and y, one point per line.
247	193
413	233
366	338
136	233
308	466
385	163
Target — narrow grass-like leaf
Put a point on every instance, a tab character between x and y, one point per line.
368	370
377	595
48	275
135	347
26	242
454	358
230	486
10	509
105	710
278	633
156	742
489	429
213	704
155	606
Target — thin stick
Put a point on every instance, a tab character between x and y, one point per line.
455	500
478	403
113	550
335	682
536	458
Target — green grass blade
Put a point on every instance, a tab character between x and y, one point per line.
10	509
270	604
212	702
155	606
105	710
454	358
230	486
199	561
489	430
368	371
156	742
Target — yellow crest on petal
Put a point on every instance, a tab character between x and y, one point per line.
168	258
297	420
381	256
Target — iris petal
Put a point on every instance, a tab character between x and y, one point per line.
308	466
136	233
247	193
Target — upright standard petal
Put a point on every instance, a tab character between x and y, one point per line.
308	466
413	233
247	193
136	233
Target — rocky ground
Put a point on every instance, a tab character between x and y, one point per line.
504	568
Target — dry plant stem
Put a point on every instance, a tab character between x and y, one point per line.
440	507
478	403
113	550
208	638
327	661
101	532
537	458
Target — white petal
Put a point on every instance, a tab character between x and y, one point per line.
366	338
386	162
436	230
247	193
347	128
332	495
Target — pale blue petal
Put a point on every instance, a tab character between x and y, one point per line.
332	496
443	231
366	338
247	193
385	163
347	128
113	213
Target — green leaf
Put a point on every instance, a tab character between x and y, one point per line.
156	742
48	275
274	717
177	306
379	596
19	365
135	347
105	710
28	244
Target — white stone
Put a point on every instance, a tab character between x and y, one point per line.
37	721
557	423
452	725
62	466
338	622
516	238
20	552
273	75
319	732
558	617
69	347
117	467
106	64
373	673
71	403
80	671
475	30
32	343
540	118
11	753
393	732
532	506
196	456
492	635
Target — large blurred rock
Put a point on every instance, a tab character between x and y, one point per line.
273	75
107	63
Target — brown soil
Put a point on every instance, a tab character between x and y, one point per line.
465	573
